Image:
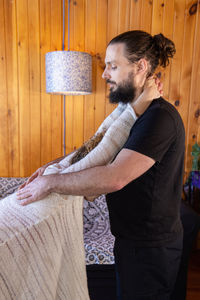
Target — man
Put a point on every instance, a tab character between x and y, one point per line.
144	182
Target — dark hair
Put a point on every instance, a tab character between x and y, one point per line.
156	49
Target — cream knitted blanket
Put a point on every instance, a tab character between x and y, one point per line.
41	244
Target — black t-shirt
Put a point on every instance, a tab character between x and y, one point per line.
147	210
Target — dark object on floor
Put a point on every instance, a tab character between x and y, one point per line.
191	226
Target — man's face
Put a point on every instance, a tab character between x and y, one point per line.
119	74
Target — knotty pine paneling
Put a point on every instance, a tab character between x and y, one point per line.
31	132
90	46
34	83
193	123
56	100
101	42
45	99
3	96
79	23
12	90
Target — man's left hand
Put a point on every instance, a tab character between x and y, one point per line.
34	191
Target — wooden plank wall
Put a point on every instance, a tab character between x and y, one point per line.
31	130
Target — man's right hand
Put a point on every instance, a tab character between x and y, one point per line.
37	173
40	172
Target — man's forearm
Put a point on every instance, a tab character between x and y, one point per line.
94	181
91	181
88	182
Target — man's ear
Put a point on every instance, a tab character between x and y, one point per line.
142	66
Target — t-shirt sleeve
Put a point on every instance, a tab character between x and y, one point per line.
152	134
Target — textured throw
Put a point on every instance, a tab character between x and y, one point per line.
41	244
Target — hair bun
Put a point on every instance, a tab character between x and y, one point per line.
165	47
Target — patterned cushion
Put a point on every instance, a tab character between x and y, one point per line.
98	239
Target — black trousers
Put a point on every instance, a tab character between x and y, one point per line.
146	273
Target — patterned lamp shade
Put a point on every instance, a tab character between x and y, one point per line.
68	73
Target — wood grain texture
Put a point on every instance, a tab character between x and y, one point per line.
90	47
168	26
56	100
3	96
79	45
45	46
146	15
135	15
112	31
32	120
124	16
101	42
34	79
69	101
192	134
24	86
12	88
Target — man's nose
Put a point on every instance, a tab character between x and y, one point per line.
106	74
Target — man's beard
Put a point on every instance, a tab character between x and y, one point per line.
125	92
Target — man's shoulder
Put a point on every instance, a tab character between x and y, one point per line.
161	108
158	109
161	115
160	104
